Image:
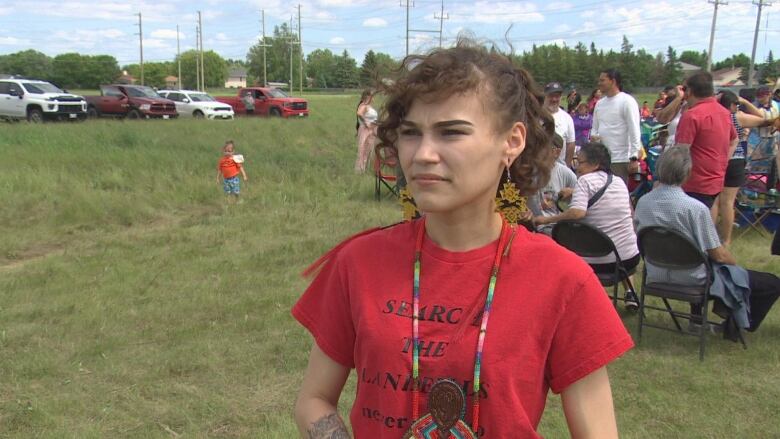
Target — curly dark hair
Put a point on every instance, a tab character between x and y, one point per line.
509	91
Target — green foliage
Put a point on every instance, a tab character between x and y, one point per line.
155	72
28	63
282	46
672	69
73	70
216	69
346	72
738	60
375	67
321	66
770	70
694	57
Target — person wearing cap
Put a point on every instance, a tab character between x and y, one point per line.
616	122
564	124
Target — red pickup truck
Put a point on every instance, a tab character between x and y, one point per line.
131	101
268	102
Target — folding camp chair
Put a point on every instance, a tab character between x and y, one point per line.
385	164
590	242
755	203
666	248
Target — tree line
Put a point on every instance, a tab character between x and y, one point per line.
573	66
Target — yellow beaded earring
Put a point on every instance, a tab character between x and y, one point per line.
510	203
408	206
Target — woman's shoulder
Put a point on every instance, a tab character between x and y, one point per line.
370	243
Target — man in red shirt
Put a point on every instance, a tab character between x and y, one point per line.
711	136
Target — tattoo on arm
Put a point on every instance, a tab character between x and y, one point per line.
328	427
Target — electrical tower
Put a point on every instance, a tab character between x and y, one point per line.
410	4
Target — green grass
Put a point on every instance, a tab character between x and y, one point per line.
135	303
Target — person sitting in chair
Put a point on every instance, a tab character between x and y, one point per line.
559	187
668	206
602	202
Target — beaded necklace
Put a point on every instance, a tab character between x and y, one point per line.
501	250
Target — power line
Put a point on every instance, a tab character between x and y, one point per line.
141	45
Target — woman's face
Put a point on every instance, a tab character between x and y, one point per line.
583	166
582	110
452	155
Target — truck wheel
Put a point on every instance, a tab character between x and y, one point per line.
93	113
197	114
35	115
134	114
275	112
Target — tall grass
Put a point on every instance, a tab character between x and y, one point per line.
134	302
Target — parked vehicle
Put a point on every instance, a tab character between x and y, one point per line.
198	104
131	101
268	102
37	101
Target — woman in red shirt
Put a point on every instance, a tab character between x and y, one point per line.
407	306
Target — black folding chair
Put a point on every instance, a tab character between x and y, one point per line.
590	242
669	249
384	164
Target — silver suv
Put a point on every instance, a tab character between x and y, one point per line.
37	101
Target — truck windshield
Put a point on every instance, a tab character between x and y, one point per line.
41	88
142	92
276	93
201	97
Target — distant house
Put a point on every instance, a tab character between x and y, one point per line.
171	82
688	69
727	77
126	78
236	78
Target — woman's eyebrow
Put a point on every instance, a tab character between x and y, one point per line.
442	124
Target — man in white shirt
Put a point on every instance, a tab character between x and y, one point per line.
616	122
564	124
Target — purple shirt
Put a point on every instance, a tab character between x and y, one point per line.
582	126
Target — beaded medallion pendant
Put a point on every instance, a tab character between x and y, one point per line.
447	405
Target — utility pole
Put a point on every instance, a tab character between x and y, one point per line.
441	19
406	3
291	41
202	64
178	56
264	45
760	4
300	49
141	44
197	58
712	30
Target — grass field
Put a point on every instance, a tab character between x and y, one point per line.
135	303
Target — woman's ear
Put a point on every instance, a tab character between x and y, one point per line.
515	142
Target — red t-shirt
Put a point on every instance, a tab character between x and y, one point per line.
708	129
229	167
551	323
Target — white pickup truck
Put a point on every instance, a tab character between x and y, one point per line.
37	101
198	104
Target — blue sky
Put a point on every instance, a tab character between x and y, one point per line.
231	27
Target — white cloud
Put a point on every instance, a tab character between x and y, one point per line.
166	34
337	40
558	6
588	14
221	37
484	11
12	41
375	22
561	28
